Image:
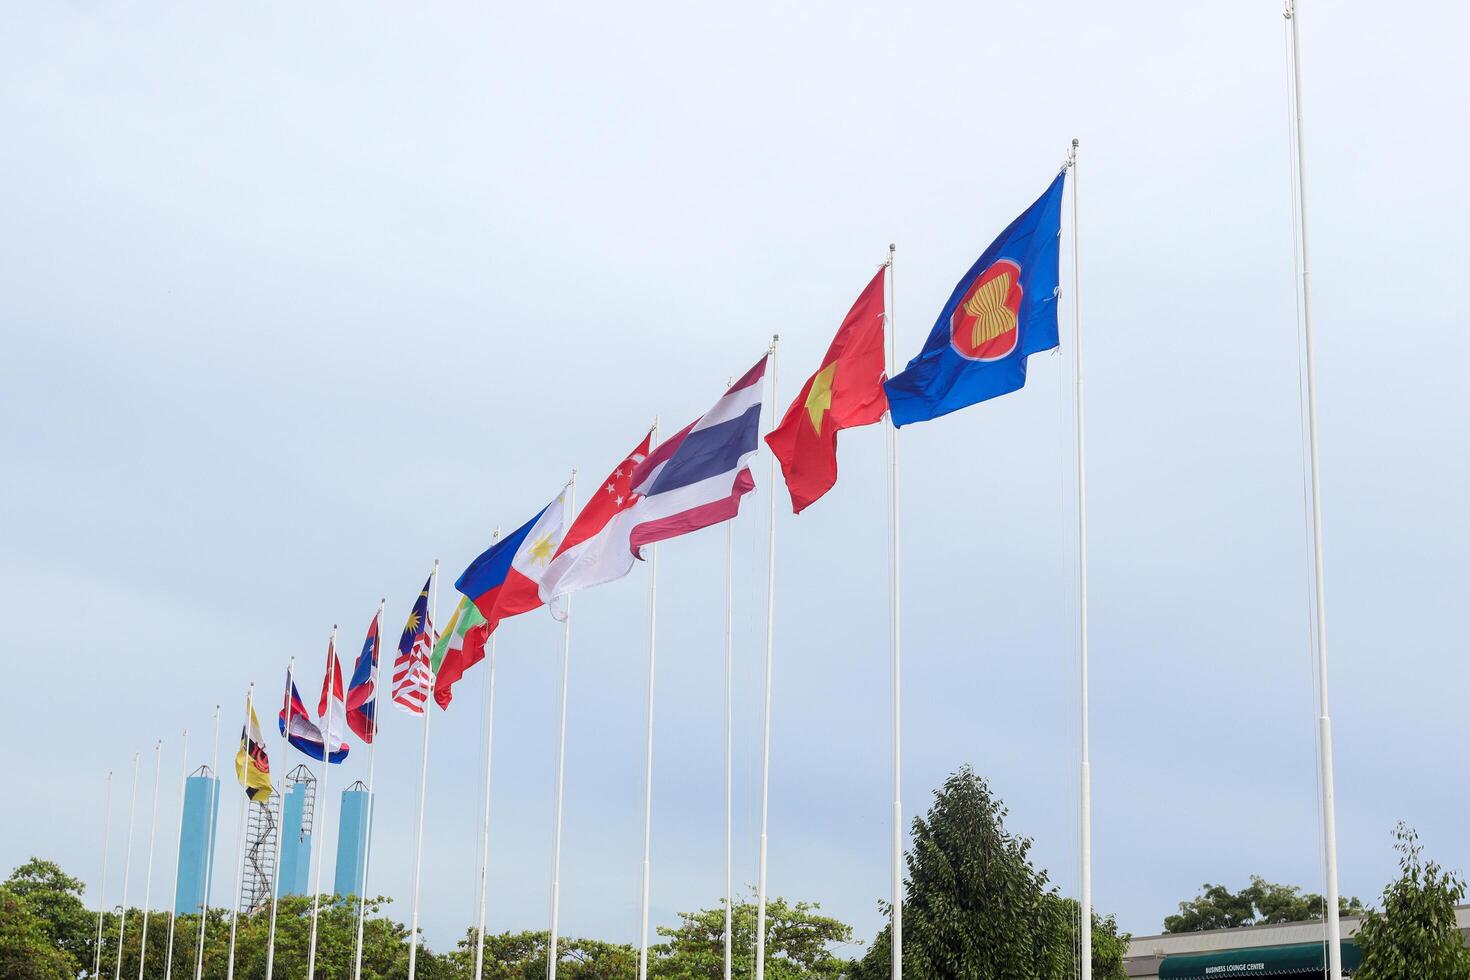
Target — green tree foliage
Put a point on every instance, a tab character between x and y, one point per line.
1414	936
522	956
1109	946
27	950
799	943
975	908
1258	904
56	900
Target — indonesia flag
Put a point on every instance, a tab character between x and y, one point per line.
506	580
332	708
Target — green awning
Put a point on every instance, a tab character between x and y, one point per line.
1302	960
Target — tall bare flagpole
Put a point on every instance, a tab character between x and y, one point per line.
372	817
895	663
1324	720
239	849
1085	786
168	960
760	916
102	889
152	836
127	866
209	855
648	753
270	949
418	859
561	764
485	824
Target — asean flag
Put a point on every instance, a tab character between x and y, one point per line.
846	391
506	579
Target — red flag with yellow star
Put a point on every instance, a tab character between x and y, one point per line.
846	391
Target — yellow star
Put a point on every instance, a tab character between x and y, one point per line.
542	549
819	399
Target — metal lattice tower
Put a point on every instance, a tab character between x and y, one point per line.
260	855
301	774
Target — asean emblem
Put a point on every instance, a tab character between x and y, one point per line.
983	325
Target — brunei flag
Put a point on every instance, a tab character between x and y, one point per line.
846	391
252	766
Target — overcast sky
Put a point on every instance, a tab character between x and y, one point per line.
297	298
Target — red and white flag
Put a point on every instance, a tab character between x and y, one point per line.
332	708
579	562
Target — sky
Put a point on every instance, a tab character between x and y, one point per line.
297	299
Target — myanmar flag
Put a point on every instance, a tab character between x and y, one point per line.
846	391
461	646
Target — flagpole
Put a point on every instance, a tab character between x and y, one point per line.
321	855
168	961
729	685
895	662
760	928
367	843
102	889
485	826
240	843
209	856
127	868
1085	784
561	762
152	837
648	753
270	949
1324	720
418	858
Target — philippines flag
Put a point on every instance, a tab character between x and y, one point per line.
300	731
506	580
362	690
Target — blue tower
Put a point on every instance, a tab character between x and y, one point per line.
196	839
298	806
357	805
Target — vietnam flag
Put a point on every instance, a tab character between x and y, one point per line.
846	391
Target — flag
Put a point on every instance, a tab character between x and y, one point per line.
298	728
252	765
1001	312
846	391
332	707
412	678
586	542
362	690
506	580
461	646
701	481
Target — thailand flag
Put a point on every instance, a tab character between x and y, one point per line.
362	690
506	580
300	731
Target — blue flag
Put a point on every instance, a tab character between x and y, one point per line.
1004	309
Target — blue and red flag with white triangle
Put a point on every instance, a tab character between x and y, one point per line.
362	689
301	731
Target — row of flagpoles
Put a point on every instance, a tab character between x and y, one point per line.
1000	312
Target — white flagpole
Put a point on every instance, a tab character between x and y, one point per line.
729	685
1324	720
561	761
1085	787
102	889
367	842
152	836
648	753
239	847
485	826
209	855
168	961
418	858
760	924
895	663
270	949
127	867
319	842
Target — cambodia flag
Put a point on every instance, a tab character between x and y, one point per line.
506	580
300	731
362	690
846	391
1000	313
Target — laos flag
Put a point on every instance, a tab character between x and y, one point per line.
1001	312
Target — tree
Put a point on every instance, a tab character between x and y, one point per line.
27	950
799	943
522	956
1109	946
974	906
1415	933
1259	903
55	898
